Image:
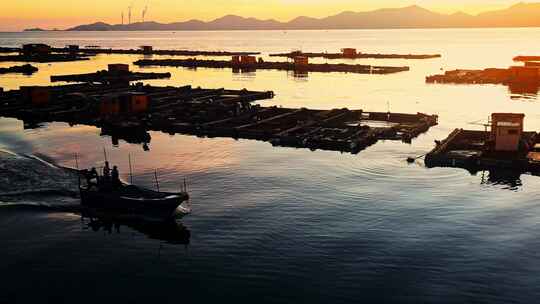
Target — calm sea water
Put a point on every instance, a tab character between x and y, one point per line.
280	225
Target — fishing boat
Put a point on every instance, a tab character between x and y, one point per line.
127	201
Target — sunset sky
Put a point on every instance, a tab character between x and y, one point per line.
20	14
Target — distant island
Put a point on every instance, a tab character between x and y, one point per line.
37	29
518	15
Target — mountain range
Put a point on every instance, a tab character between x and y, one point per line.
518	15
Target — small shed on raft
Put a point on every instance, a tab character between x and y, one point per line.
35	95
506	131
125	103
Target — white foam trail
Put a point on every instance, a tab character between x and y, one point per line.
42	161
8	152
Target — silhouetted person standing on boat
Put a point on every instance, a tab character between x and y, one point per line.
115	175
107	172
93	172
93	179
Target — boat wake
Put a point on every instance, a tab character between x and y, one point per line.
31	179
39	207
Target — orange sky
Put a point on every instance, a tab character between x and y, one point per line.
20	14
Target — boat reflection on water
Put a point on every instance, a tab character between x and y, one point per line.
510	180
171	231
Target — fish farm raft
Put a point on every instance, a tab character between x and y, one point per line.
143	50
129	112
505	147
253	65
116	73
353	54
529	73
48	58
40	53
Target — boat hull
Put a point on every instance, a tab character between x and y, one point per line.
121	206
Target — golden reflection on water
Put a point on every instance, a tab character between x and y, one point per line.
187	154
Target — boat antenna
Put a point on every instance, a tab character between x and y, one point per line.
157	182
189	197
78	172
130	170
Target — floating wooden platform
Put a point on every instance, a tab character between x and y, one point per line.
467	149
520	80
163	52
486	76
218	113
43	58
106	77
287	66
26	69
5	50
355	56
97	51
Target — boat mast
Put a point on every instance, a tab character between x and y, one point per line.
130	170
157	182
77	166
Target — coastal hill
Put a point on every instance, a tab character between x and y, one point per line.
37	29
518	15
